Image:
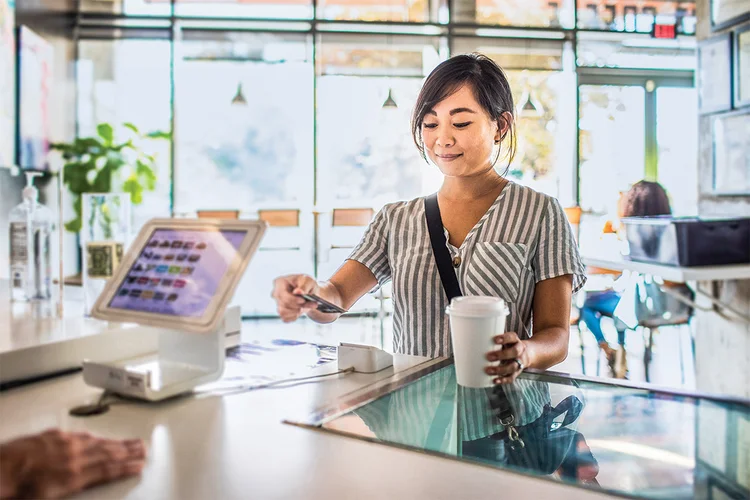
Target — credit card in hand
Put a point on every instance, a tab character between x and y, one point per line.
323	305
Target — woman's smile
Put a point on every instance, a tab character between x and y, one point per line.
448	157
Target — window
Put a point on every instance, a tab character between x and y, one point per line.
244	121
545	123
636	16
531	13
127	7
616	50
128	81
249	9
611	143
365	149
417	11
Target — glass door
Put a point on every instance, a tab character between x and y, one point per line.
633	127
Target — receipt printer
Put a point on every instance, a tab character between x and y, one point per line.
363	358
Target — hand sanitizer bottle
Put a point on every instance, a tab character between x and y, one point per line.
31	225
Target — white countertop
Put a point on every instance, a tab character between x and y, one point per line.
29	324
616	262
236	446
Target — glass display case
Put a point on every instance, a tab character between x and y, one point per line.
623	439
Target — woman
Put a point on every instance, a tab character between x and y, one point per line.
643	199
505	240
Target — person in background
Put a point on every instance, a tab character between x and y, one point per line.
55	464
644	199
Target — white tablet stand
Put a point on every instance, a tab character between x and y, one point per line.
183	361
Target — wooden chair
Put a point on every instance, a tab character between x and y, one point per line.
574	217
218	214
280	217
352	217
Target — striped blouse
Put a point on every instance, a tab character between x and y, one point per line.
522	239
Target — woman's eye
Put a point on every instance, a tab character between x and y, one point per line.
462	125
430	125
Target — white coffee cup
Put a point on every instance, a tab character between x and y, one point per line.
474	322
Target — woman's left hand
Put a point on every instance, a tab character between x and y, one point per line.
513	356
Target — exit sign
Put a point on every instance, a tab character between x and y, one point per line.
664	31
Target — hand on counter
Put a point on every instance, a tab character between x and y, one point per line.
513	356
56	464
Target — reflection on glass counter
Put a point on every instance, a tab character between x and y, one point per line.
622	439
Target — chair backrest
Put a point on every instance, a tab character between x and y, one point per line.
218	214
280	217
352	217
654	307
574	217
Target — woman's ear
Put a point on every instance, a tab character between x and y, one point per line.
503	125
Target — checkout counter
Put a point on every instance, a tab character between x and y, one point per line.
405	432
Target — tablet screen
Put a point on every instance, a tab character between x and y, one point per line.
178	271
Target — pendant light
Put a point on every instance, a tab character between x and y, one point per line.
530	108
239	97
390	103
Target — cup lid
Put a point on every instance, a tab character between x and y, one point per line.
471	305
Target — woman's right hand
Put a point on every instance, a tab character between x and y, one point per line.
286	291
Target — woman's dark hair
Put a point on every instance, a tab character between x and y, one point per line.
491	90
645	199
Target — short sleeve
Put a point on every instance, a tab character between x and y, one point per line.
372	250
557	250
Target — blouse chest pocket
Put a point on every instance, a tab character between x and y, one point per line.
496	269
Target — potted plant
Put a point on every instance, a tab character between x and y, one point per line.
102	165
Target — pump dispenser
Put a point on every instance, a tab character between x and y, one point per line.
31	225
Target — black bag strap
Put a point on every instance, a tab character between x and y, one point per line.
498	399
439	249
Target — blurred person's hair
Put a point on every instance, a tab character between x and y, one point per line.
646	199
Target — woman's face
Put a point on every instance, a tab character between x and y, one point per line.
459	136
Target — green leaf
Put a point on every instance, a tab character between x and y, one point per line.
74	225
87	145
60	146
105	132
158	134
103	180
135	189
131	127
75	176
146	174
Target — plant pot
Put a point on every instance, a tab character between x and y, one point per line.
105	232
